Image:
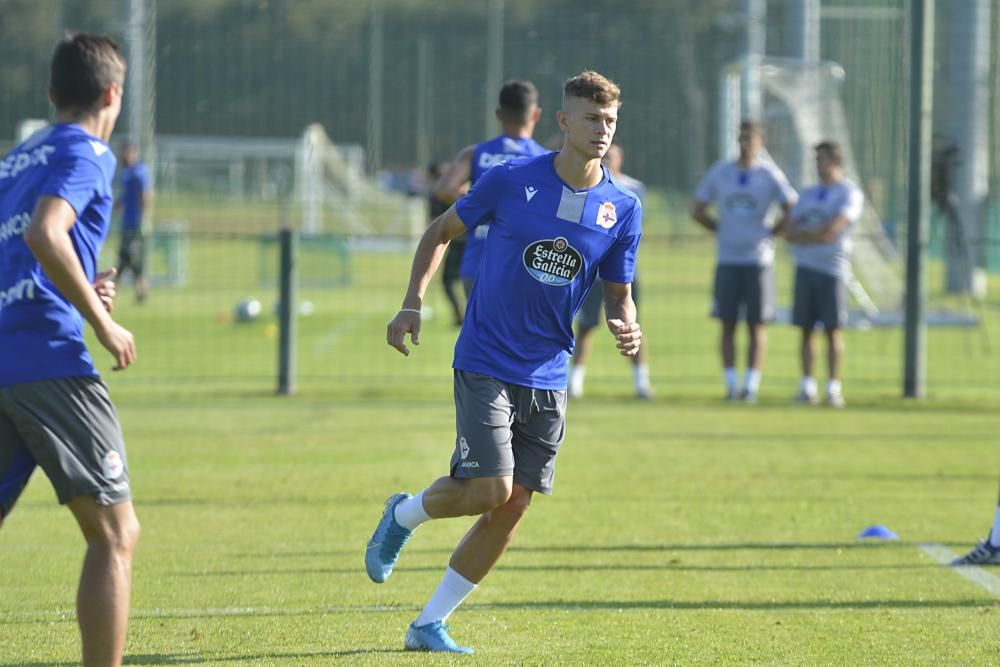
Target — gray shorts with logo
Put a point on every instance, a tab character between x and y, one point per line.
68	427
506	430
743	292
820	298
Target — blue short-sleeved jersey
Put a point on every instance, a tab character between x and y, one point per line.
547	245
41	333
133	182
488	154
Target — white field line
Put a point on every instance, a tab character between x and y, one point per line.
973	573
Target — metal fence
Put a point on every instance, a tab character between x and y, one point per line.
411	81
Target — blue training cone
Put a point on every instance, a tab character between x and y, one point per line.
878	532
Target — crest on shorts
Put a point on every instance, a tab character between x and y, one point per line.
112	465
606	216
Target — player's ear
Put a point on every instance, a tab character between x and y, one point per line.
561	120
536	115
499	114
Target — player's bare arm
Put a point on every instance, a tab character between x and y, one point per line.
784	220
452	183
700	214
832	228
426	259
107	290
620	312
48	238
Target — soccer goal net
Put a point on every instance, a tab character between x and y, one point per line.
335	195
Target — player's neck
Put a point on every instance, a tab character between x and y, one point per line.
517	131
94	124
577	170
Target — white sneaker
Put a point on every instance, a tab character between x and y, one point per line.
835	400
806	398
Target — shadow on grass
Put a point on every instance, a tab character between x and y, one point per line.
191	659
673	565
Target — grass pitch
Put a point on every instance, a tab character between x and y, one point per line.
682	530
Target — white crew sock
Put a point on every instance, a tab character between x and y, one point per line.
752	383
808	385
452	591
641	374
576	375
833	387
410	513
995	533
730	375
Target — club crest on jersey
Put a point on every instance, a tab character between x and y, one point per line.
553	261
606	216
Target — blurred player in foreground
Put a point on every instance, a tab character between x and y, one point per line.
557	220
743	191
55	412
590	312
518	114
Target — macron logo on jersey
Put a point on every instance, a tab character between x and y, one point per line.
530	191
99	148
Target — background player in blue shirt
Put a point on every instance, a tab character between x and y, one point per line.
518	113
55	412
557	222
135	198
589	317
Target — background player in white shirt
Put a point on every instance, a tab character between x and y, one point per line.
819	229
743	192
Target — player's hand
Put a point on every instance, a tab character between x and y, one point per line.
405	322
105	287
118	340
628	335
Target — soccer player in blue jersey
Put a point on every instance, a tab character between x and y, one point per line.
136	190
518	114
557	222
55	412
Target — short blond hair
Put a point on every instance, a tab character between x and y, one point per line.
589	85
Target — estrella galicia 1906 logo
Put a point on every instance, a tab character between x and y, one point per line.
553	261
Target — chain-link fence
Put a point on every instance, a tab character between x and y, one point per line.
400	83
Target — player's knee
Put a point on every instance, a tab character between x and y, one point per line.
517	505
120	535
489	493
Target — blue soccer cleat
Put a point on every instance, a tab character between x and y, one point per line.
984	553
433	637
386	542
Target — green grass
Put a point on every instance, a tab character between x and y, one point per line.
682	531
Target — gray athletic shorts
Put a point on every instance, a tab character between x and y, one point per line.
592	311
743	292
507	430
819	298
68	427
